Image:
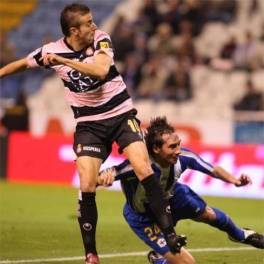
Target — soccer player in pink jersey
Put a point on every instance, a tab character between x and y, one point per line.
104	114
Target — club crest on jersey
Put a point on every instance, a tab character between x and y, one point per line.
104	45
79	148
161	242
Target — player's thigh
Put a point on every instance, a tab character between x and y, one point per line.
129	138
138	156
185	203
90	149
184	257
90	139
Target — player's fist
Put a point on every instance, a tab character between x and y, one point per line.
175	242
243	180
52	59
106	177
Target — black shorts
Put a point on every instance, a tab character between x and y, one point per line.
95	138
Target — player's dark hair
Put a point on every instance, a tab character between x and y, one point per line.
70	16
158	126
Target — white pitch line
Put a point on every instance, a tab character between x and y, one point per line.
128	254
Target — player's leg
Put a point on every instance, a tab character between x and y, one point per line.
88	168
90	153
186	204
150	233
220	220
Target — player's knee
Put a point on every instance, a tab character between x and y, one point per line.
88	172
87	186
208	215
87	181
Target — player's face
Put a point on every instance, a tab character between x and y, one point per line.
170	150
86	30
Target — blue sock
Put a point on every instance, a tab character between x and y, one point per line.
224	223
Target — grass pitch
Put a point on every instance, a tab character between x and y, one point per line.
39	222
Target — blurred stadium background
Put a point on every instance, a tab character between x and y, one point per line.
199	62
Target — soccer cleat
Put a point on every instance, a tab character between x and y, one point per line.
251	238
92	259
254	239
154	257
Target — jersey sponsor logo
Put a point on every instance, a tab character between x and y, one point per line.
80	82
104	45
81	148
90	148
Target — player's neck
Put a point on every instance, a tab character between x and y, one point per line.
161	162
74	44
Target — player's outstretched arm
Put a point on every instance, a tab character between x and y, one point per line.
224	175
13	67
99	68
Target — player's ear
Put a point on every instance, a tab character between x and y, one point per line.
73	30
156	149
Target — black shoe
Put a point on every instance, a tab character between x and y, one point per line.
256	240
153	256
252	238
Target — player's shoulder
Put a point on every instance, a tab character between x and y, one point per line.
55	46
187	153
100	34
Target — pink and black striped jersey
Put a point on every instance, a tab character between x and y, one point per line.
90	98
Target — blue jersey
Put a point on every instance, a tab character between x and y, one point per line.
168	177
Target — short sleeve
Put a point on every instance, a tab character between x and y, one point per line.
34	58
103	44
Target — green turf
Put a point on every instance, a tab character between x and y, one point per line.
39	222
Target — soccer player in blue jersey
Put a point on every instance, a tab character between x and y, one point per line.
169	161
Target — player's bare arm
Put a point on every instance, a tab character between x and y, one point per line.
13	67
224	175
99	68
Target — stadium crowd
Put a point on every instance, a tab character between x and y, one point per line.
158	51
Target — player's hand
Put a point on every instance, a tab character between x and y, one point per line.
106	177
243	180
176	242
52	59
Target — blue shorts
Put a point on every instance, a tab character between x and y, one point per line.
185	204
